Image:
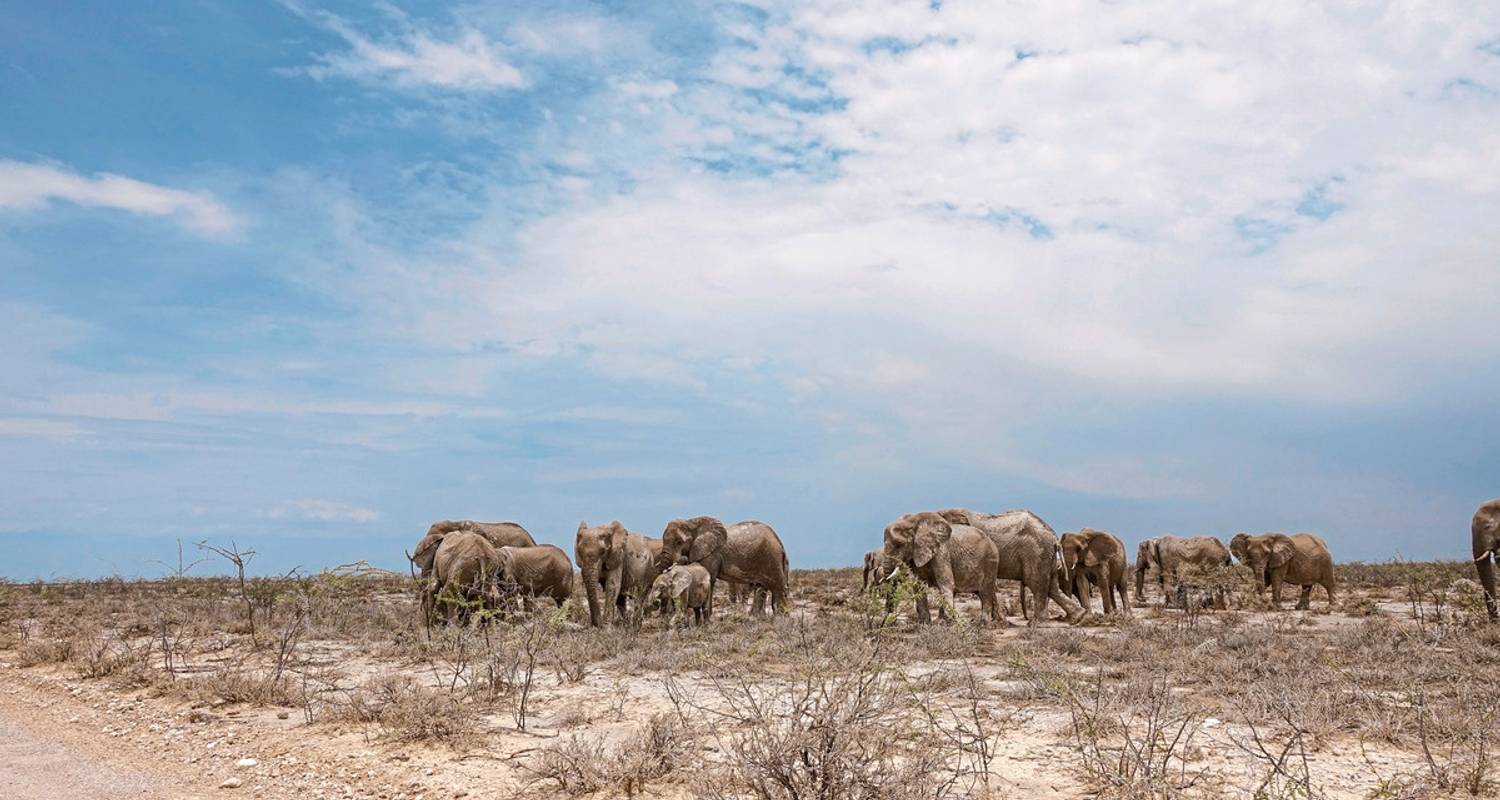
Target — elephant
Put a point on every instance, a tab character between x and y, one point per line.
952	558
531	572
680	588
465	572
745	552
1302	559
498	534
1097	557
1486	529
1168	554
1029	553
1145	558
617	566
873	561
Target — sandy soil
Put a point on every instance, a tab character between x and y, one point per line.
64	736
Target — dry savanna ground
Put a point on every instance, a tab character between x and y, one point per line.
329	685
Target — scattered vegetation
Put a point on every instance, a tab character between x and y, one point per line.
844	697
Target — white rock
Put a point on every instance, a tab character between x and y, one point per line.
1209	722
232	783
246	762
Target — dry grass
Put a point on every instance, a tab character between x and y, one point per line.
839	698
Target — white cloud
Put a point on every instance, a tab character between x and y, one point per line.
322	511
1028	212
27	186
1120	207
468	62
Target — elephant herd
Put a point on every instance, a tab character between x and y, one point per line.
467	565
958	552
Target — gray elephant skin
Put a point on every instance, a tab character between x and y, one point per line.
1094	557
1275	558
873	572
951	557
498	534
617	565
682	588
535	572
1029	553
747	552
465	572
1168	555
1486	530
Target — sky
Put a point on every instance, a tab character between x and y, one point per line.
307	276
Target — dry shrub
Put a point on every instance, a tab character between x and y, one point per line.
849	728
408	711
240	683
99	654
583	764
45	650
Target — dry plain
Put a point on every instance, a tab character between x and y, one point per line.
329	685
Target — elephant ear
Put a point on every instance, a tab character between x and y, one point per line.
427	549
1092	552
709	537
1282	551
931	535
614	544
681	580
1156	552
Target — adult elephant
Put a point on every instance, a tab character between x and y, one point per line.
1029	553
617	565
533	572
1096	557
873	572
952	558
498	534
1145	559
1486	530
747	552
1275	558
465	573
1169	554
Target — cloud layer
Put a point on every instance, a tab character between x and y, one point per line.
1141	266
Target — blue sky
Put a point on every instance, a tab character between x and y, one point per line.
311	275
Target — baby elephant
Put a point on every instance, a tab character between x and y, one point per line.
680	588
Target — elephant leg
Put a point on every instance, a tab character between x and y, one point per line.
924	611
708	608
1082	592
429	604
778	599
1276	590
1486	566
758	606
1106	594
1304	602
946	611
1022	595
1054	592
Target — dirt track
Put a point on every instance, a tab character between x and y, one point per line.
42	757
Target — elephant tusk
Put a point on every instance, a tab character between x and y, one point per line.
1485	556
892	575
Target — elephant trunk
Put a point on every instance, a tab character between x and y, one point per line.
595	591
